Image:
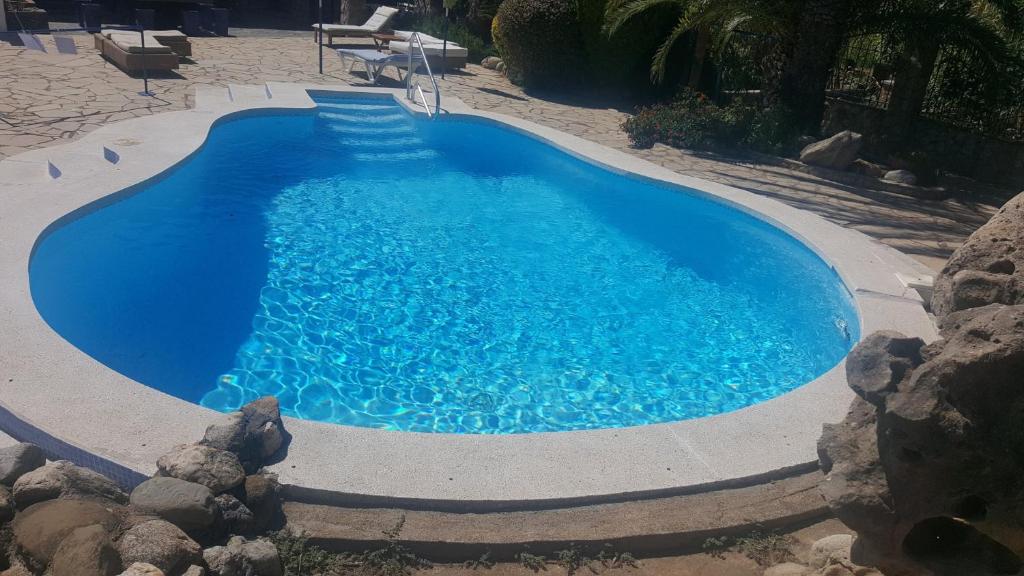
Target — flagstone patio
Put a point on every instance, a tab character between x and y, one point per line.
46	98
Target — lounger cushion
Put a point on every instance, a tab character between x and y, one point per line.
380	17
132	44
425	38
454	50
375	24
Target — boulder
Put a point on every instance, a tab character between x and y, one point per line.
194	571
879	364
263	498
235	517
866	168
161	544
988	268
833	549
142	569
40	528
19	459
6	505
937	457
187	505
837	152
62	479
254	433
900	177
241	557
87	551
218	470
491	62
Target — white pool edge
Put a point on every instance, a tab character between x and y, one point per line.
76	408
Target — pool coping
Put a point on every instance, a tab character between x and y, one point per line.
77	408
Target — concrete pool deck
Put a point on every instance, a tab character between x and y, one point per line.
53	98
77	408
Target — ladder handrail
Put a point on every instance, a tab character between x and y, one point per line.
414	39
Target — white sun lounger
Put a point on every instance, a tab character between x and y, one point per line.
375	62
375	24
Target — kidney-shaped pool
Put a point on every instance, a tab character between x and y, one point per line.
374	269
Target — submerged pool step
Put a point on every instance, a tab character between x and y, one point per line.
371	130
359	107
361	119
404	156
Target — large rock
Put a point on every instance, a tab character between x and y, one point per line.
988	268
87	551
187	505
241	557
937	457
62	479
900	177
161	544
254	433
19	459
218	470
235	517
6	505
40	529
837	152
491	62
263	498
833	549
142	569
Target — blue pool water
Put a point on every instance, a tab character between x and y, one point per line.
373	269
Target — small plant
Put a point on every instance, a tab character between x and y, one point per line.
534	562
484	561
714	546
766	548
609	558
572	559
299	558
393	559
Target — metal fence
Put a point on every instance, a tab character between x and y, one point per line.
960	93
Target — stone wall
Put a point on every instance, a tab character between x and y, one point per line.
964	153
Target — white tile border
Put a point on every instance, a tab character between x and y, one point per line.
55	395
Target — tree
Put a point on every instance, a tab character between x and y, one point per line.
922	29
808	34
353	12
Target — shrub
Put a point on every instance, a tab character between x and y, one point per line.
694	121
539	41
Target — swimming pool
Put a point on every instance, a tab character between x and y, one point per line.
373	269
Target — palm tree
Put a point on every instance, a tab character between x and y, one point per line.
923	29
808	35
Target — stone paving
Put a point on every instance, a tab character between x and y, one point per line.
48	98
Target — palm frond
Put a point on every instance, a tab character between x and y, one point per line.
618	12
660	60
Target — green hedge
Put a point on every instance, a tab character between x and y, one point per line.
694	121
540	42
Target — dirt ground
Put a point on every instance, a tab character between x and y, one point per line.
722	563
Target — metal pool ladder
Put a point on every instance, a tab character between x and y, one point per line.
412	85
